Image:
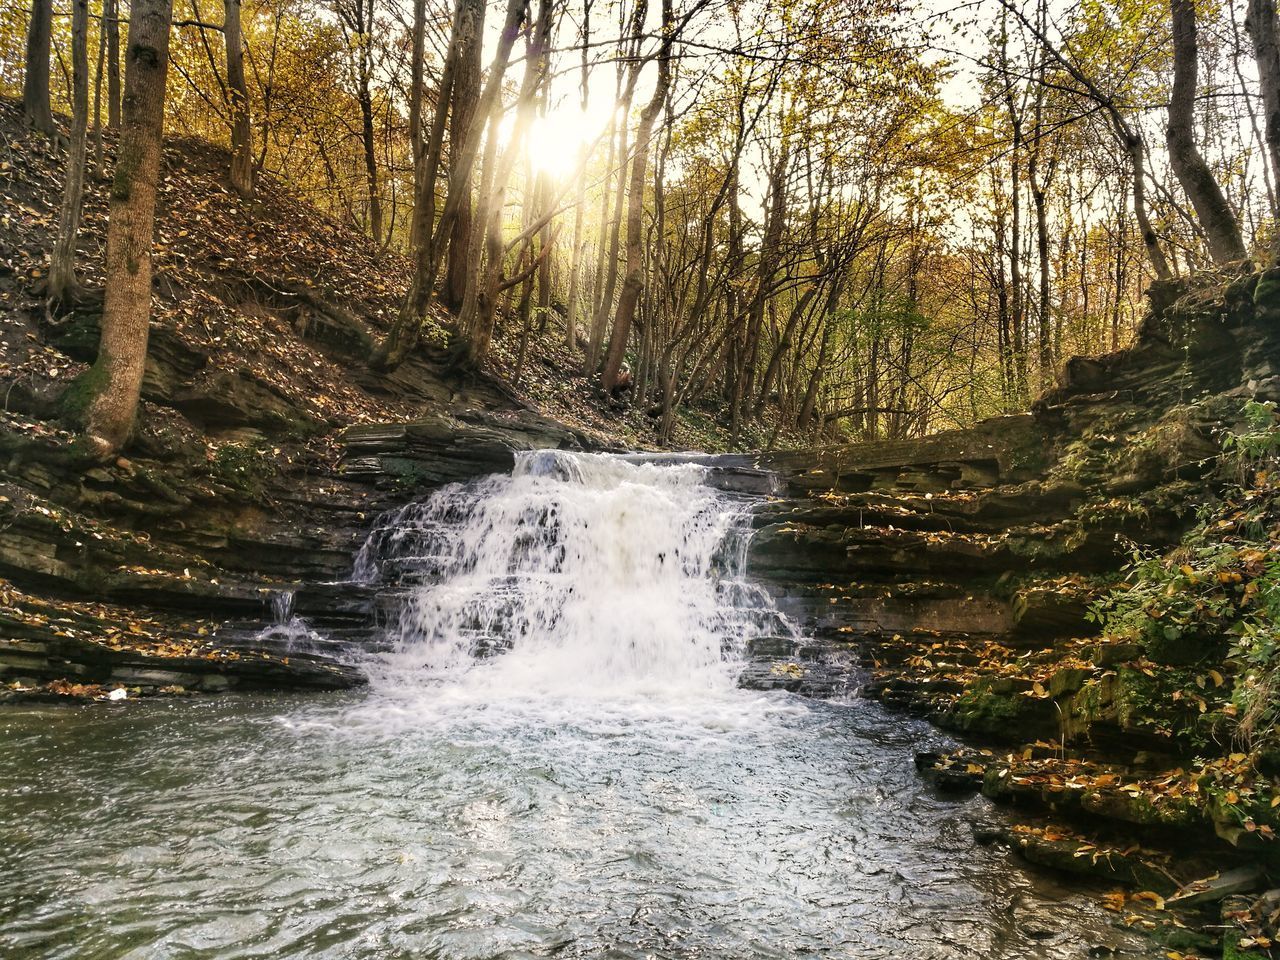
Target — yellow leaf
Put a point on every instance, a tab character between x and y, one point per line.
1216	677
1154	899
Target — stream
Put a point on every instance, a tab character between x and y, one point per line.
552	759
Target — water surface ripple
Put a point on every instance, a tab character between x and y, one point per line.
278	827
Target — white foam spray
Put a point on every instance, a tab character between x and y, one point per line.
578	576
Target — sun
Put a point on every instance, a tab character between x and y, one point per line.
556	140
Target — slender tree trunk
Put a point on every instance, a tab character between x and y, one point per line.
1198	182
115	379
466	91
770	255
1261	24
471	296
1137	150
607	269
369	139
35	79
62	268
417	54
773	369
1044	298
633	285
536	69
113	63
810	401
546	250
609	251
238	103
574	308
97	93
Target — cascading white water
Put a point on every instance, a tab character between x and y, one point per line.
592	575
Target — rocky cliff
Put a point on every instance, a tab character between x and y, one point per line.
977	578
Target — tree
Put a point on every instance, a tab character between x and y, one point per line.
462	111
430	244
1260	22
111	14
115	380
491	281
62	267
357	19
1198	182
634	281
35	80
238	102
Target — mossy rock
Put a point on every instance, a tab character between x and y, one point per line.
1093	703
1072	856
73	405
1142	810
1144	703
985	712
1231	819
1266	295
1231	949
1001	714
1068	680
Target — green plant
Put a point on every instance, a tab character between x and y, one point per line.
1214	601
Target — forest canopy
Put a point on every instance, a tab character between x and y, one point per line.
863	218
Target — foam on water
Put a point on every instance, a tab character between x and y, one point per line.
578	579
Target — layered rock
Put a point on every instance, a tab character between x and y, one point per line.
959	573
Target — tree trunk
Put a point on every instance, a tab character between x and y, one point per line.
633	284
607	270
417	53
113	63
537	53
97	92
35	79
428	251
574	308
1137	150
116	377
1261	24
466	91
546	250
770	255
367	131
1045	307
238	103
62	268
1198	182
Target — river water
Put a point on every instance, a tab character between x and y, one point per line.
552	760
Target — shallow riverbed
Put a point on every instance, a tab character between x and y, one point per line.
376	826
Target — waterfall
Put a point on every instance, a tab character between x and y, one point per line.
576	574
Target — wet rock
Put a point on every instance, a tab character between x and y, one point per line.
1219	887
1087	859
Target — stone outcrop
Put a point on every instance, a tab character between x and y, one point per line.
955	575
